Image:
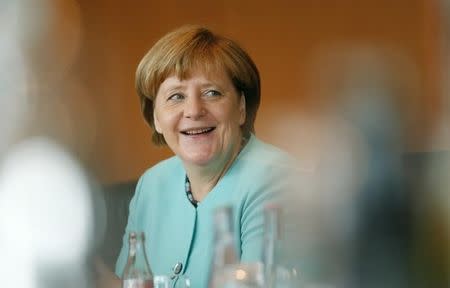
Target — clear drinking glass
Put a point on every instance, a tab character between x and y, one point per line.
251	275
161	281
244	275
181	281
286	278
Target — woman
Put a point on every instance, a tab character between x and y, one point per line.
199	93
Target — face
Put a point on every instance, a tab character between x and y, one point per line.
200	117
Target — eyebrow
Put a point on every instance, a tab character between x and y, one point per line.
180	86
172	88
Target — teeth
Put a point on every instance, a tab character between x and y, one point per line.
197	131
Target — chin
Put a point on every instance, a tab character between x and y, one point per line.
199	160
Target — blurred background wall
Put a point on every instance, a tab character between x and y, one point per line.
89	51
283	37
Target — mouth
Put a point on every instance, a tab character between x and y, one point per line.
198	131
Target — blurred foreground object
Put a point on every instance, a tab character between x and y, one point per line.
376	216
14	85
430	180
41	90
355	221
46	200
46	217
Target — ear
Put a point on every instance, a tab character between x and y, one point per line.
242	110
156	123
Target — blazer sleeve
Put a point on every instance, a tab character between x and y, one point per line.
268	188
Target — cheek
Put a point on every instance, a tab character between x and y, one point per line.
232	116
162	121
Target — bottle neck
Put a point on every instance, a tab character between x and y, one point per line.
140	255
137	264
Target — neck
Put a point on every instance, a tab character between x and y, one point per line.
204	178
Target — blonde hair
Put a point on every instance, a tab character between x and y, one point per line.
194	47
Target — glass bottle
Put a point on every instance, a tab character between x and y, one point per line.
137	272
224	250
271	243
275	273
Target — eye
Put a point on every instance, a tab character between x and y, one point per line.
175	97
212	93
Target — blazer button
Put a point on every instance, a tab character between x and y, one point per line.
177	268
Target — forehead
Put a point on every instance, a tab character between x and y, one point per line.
198	77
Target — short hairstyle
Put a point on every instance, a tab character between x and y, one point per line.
194	47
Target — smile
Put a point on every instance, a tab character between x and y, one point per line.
198	131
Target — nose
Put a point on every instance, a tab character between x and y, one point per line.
194	108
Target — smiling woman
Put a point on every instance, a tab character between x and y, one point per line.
200	119
199	93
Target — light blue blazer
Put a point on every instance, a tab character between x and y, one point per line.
177	232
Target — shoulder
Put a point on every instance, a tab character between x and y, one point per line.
260	158
260	172
159	175
266	173
162	170
156	185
